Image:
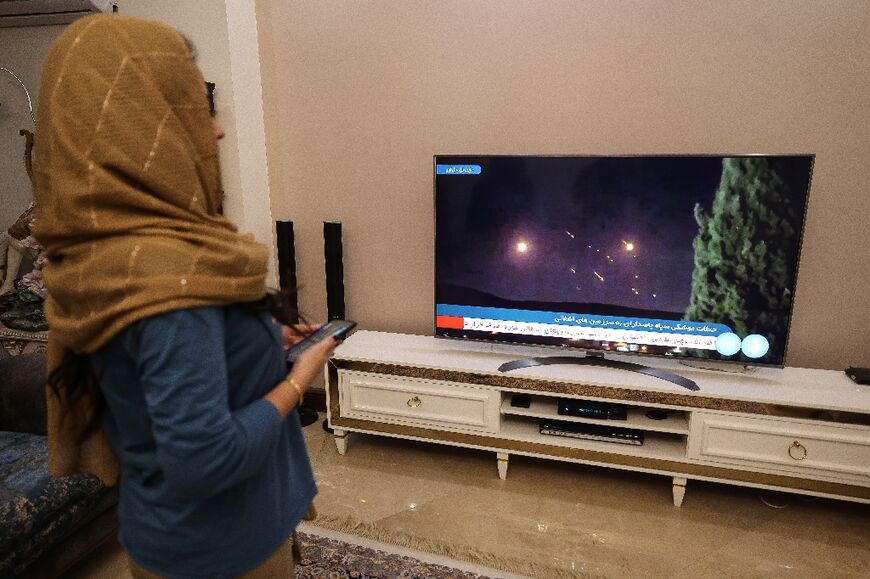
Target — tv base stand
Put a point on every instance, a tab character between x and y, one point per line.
600	361
796	430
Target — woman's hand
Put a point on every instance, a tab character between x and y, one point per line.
292	335
309	365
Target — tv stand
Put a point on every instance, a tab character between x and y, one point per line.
600	360
791	429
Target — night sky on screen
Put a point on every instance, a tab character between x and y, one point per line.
604	230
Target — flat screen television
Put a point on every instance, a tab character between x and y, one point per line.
691	256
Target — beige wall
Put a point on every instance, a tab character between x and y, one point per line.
360	95
22	51
228	56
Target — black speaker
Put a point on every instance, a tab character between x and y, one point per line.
287	262
332	253
287	281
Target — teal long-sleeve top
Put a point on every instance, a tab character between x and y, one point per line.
212	480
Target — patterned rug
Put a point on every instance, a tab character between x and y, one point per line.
369	540
324	557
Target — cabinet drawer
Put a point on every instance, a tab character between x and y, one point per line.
418	402
785	445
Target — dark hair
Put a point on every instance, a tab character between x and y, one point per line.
210	86
279	303
74	379
212	108
191	47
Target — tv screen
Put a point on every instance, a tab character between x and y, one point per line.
683	256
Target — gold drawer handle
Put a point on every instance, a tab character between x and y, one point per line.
415	402
797	450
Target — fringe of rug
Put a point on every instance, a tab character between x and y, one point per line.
516	566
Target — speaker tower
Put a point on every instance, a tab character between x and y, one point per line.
287	262
333	260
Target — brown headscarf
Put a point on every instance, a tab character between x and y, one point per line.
127	185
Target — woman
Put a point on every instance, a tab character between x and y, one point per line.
159	344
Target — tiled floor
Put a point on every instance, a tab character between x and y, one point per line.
607	522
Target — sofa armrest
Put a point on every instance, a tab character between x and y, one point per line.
22	393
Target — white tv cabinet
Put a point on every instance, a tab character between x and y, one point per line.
798	430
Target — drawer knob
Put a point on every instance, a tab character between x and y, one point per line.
797	450
414	402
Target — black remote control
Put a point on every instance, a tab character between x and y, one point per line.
338	329
858	375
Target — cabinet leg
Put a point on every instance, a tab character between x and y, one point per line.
340	440
679	490
502	458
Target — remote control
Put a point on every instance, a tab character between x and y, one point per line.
858	375
338	329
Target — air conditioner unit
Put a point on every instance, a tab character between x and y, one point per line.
48	12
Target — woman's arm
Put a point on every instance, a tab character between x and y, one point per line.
203	446
288	393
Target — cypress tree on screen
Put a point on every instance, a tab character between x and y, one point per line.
743	267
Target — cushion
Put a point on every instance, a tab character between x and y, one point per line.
37	510
22	393
15	342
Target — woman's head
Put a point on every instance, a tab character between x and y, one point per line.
128	184
123	97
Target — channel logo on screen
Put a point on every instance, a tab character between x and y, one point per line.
457	169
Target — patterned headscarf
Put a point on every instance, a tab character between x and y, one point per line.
127	187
